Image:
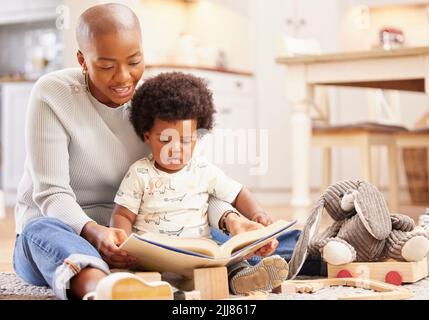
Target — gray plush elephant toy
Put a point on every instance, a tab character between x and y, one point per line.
363	229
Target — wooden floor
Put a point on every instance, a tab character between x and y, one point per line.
7	240
7	226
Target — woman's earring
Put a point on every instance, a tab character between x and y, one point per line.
86	75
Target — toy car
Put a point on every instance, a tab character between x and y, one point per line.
391	271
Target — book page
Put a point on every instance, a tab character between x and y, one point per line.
202	246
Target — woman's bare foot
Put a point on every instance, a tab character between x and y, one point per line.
85	281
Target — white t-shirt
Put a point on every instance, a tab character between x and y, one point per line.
174	204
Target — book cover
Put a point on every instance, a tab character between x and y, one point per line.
156	252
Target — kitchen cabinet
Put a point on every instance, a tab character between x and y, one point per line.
235	122
19	11
14	100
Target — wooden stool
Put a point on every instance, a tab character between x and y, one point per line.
362	136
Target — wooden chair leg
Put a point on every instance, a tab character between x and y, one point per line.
366	160
327	169
375	166
393	177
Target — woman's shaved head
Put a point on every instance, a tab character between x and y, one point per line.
110	52
103	19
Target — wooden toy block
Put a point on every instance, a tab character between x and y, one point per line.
149	276
187	295
212	283
135	288
393	272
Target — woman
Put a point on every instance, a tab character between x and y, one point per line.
80	143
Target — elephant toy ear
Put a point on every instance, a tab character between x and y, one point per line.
372	210
309	231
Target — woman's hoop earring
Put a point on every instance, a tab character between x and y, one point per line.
86	75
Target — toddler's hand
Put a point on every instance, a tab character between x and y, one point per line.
238	224
268	249
262	218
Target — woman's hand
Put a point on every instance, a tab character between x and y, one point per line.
107	242
237	224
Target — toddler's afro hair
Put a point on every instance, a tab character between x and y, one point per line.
172	96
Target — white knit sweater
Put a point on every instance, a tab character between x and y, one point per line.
78	151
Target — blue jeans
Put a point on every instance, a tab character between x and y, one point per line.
49	253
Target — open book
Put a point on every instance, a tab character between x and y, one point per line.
157	252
